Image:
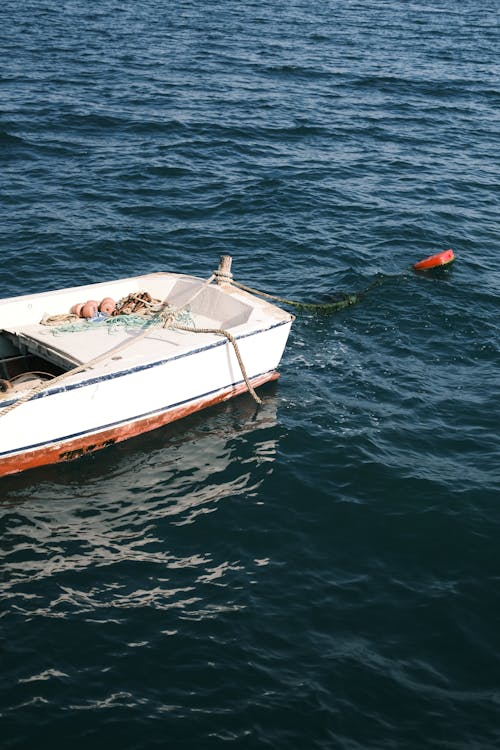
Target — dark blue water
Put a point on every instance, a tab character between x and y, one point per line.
323	572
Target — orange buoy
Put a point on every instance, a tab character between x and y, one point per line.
107	305
89	309
77	309
435	261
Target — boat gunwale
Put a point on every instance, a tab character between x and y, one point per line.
97	284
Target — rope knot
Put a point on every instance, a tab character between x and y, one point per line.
223	274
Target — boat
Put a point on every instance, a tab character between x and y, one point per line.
169	345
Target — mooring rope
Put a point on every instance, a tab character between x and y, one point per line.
232	340
347	299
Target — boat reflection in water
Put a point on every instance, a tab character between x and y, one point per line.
165	521
179	470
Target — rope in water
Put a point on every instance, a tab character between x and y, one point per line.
346	299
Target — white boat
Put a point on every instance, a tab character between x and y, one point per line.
70	386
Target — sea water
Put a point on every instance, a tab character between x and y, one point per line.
323	571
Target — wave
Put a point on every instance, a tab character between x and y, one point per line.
13	141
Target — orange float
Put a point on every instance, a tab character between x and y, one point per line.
89	309
107	305
435	261
77	309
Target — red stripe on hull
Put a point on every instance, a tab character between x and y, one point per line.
70	450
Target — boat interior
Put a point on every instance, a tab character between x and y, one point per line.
19	372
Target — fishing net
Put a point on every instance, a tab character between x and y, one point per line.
60	325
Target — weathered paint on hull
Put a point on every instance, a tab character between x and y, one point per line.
77	447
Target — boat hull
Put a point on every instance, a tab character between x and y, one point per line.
81	445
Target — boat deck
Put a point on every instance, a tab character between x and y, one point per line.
68	349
